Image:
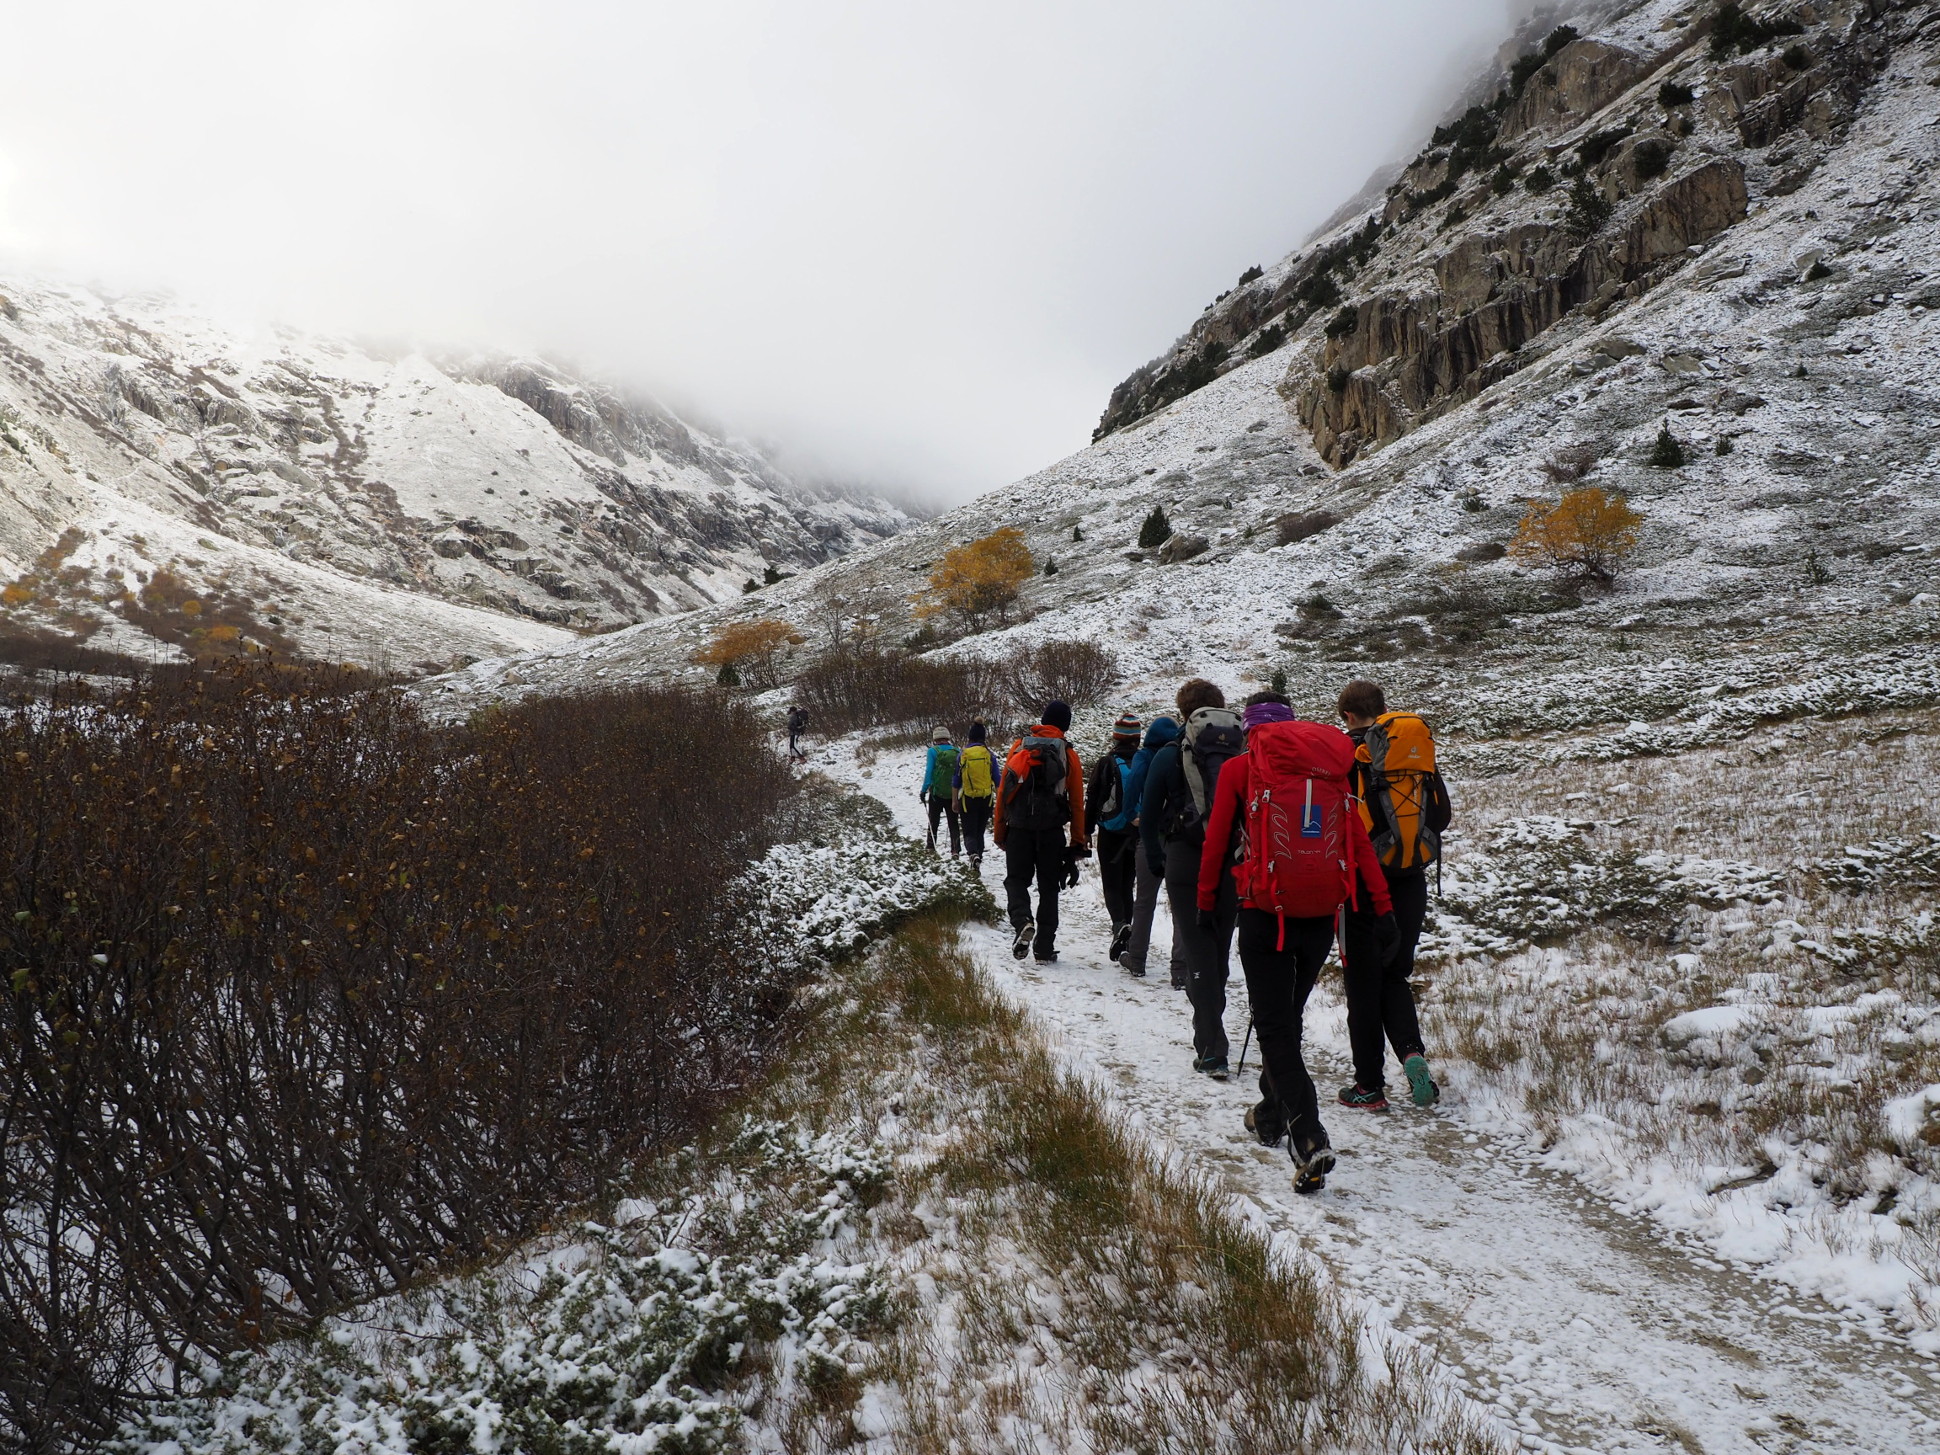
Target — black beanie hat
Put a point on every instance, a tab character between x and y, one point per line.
976	732
1058	715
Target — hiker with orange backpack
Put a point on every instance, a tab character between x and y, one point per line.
1283	819
1040	826
1404	806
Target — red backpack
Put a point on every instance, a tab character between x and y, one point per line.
1295	861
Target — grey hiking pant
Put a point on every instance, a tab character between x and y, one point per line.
1208	953
1145	902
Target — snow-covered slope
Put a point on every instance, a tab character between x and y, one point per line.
313	493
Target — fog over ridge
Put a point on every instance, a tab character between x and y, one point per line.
909	246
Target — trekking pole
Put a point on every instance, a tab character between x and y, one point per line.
1243	1045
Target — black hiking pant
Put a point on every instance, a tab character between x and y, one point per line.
945	808
1280	975
976	818
1380	1002
1209	953
1118	873
1034	855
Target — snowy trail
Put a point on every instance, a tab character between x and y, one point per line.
1581	1325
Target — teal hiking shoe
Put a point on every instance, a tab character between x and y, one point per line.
1421	1086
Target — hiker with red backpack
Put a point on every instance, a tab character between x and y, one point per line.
1284	823
1113	794
1405	809
1178	796
1040	826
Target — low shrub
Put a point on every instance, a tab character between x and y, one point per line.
1078	672
307	997
869	686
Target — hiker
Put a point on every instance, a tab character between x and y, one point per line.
979	776
1172	814
1404	806
1146	879
1114	799
1283	808
797	725
1040	826
939	788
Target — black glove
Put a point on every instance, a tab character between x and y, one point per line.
1070	879
1387	937
1158	869
1206	920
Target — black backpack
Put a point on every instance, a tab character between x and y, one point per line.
1036	796
1213	737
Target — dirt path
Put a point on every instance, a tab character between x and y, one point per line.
1582	1326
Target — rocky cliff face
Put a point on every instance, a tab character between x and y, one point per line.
319	495
1601	166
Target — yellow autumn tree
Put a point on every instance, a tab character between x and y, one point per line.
1587	533
749	652
979	578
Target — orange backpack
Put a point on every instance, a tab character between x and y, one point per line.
1405	804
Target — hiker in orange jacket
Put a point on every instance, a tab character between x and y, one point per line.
1040	826
1283	815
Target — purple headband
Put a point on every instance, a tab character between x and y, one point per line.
1261	712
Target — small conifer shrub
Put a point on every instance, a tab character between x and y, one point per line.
1539	181
1156	530
1724	444
1673	94
1337	378
1652	156
1667	453
1503	182
1343	323
1077	532
1561	36
1050	567
1256	271
1279	683
1267	340
1588	208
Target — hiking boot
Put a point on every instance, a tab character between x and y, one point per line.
1120	938
1421	1086
1136	971
1358	1095
1046	957
1021	946
1313	1159
1213	1066
1267	1128
976	862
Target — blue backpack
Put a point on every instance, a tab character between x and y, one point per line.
1117	811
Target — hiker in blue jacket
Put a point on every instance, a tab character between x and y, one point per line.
1114	800
939	789
1145	889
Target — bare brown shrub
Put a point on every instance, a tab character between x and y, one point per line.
1078	672
869	686
304	998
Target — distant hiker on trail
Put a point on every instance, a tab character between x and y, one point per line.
1172	825
797	725
1283	818
1404	806
979	775
1040	826
1147	878
939	788
1114	799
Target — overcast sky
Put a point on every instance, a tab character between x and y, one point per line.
911	243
